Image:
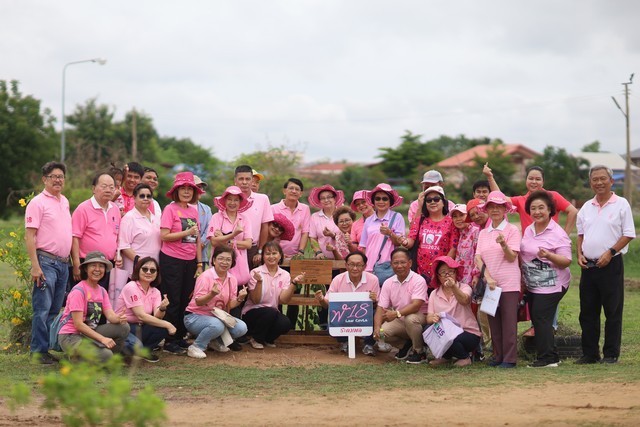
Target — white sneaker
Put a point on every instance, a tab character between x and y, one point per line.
215	345
384	347
195	352
255	344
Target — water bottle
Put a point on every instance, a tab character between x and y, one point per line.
381	339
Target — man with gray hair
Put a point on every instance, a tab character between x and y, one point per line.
605	228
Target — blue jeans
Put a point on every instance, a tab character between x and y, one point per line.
208	328
47	301
150	335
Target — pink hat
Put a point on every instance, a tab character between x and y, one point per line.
497	198
287	226
314	196
473	203
184	178
359	195
460	208
446	260
235	191
397	199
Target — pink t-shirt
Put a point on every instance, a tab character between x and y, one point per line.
541	275
301	220
50	216
96	229
129	202
133	295
272	287
438	302
356	230
140	234
525	219
258	214
466	252
434	239
176	218
372	239
342	283
505	273
395	295
318	222
93	303
204	284
220	221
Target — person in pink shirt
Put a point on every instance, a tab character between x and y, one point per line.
215	288
47	222
144	308
133	172
498	248
355	279
545	256
95	225
298	213
402	307
322	229
454	298
150	178
343	217
361	204
281	230
269	287
87	303
180	257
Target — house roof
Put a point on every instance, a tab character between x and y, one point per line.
466	157
612	160
325	168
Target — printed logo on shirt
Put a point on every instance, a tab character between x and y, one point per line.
538	274
187	223
430	240
94	313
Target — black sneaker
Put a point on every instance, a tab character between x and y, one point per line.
151	358
417	358
234	346
587	360
183	344
403	353
243	340
47	359
173	348
609	360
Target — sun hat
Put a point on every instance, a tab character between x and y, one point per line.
436	189
497	198
314	195
287	226
473	203
97	256
235	191
444	259
359	195
184	178
198	181
462	208
432	177
397	199
257	174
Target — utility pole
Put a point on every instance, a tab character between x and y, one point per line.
628	178
134	137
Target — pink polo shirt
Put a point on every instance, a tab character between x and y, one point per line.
544	277
356	230
140	234
318	222
272	287
50	216
176	218
220	221
93	304
95	228
133	295
301	220
372	239
438	302
129	202
204	284
505	273
342	283
395	295
525	219
258	214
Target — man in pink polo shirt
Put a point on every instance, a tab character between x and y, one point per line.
48	242
259	214
133	173
95	226
298	213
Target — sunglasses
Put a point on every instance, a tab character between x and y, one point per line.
381	199
432	199
149	270
145	196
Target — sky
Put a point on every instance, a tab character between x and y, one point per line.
337	79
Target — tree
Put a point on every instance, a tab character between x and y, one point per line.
594	147
412	153
564	173
449	146
502	167
27	141
146	134
355	178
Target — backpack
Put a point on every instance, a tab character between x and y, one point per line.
57	324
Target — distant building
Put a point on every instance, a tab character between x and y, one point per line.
616	162
323	169
635	157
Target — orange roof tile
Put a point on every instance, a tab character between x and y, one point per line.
466	157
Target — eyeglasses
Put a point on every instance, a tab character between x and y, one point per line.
447	273
355	265
432	199
149	270
381	199
327	198
224	260
277	227
145	196
54	177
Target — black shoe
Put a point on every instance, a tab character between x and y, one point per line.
183	344
151	358
587	360
543	364
403	353
609	360
47	359
234	346
173	348
243	340
417	358
493	363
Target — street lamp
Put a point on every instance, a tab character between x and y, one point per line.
98	61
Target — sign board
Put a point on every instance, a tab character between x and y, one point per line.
318	271
350	313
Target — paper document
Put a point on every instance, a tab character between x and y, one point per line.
490	301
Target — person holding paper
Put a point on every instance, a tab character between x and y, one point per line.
545	253
454	298
498	248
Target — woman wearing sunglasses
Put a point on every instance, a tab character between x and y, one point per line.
145	308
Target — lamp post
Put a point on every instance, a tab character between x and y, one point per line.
98	61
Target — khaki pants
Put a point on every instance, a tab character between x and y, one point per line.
483	321
399	330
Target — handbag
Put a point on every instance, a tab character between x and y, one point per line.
478	290
440	336
228	320
383	270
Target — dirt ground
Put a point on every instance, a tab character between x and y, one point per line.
550	404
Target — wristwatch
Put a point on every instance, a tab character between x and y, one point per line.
613	251
398	314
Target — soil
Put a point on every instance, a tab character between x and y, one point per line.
549	404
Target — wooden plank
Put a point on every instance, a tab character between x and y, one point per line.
301	300
318	272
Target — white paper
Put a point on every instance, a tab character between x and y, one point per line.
490	300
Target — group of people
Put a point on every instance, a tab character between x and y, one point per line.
194	280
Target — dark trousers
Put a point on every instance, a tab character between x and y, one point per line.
464	344
266	324
149	335
178	282
504	328
543	310
602	288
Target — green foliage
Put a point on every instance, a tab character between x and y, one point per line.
564	173
594	147
146	134
412	153
27	141
355	178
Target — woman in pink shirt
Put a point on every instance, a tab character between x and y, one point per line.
361	204
343	217
454	298
269	287
281	230
498	248
545	256
323	230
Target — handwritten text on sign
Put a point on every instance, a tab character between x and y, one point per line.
350	313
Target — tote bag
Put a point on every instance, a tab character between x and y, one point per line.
441	334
